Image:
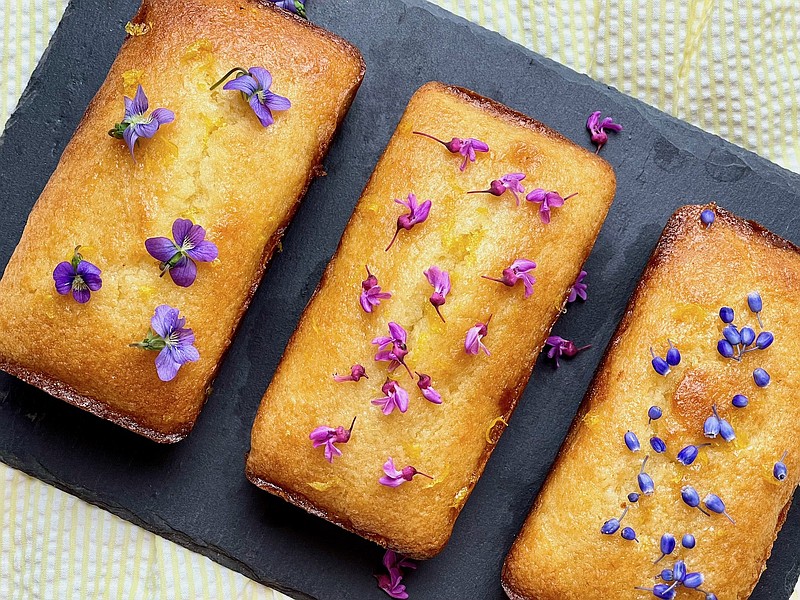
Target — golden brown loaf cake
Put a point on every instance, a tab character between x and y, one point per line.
694	272
468	236
215	165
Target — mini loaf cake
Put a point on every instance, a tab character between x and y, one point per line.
681	463
196	185
410	358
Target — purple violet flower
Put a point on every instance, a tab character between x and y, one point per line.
466	147
356	373
178	257
328	436
293	6
371	294
440	280
417	213
511	182
136	124
392	347
391	583
430	394
174	342
254	85
396	397
473	343
394	477
559	346
77	276
546	201
598	129
519	270
578	289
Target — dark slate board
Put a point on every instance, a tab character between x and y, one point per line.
195	492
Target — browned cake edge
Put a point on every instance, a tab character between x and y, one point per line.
677	225
67	393
501	111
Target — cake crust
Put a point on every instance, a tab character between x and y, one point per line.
290	407
731	561
186	47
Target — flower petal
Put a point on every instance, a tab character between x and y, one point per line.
164	320
145	130
63	275
161	248
276	102
166	367
139	105
262	112
90	275
204	252
262	76
181	229
130	136
193	237
184	354
184	272
162	116
243	83
82	295
397	331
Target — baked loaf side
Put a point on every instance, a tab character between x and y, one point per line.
694	271
468	236
215	165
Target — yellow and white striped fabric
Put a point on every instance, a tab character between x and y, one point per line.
731	67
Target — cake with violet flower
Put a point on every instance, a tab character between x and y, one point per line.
145	247
679	468
411	356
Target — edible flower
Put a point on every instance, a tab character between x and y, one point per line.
512	182
715	504
78	276
254	85
293	6
726	314
391	581
328	436
394	477
629	534
547	200
740	401
660	590
466	147
356	373
761	377
646	484
688	541
136	124
659	445
430	394
417	213
654	413
667	545
396	397
633	497
578	289
562	347
392	347
440	280
779	470
611	526
598	129
178	257
519	270
707	217
174	342
371	294
755	305
662	366
473	343
691	498
688	454
631	441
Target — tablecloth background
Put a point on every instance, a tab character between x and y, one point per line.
731	67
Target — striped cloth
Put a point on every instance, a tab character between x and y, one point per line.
731	68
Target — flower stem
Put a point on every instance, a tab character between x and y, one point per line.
227	75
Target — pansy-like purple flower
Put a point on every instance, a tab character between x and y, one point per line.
578	289
371	294
137	123
547	200
561	347
391	581
174	342
396	397
178	257
329	436
466	147
417	213
293	6
392	347
394	477
440	280
519	270
78	276
511	182
430	394
254	85
473	343
356	373
598	129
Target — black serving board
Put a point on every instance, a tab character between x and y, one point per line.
195	492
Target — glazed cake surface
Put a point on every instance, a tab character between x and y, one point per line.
215	164
694	271
467	235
